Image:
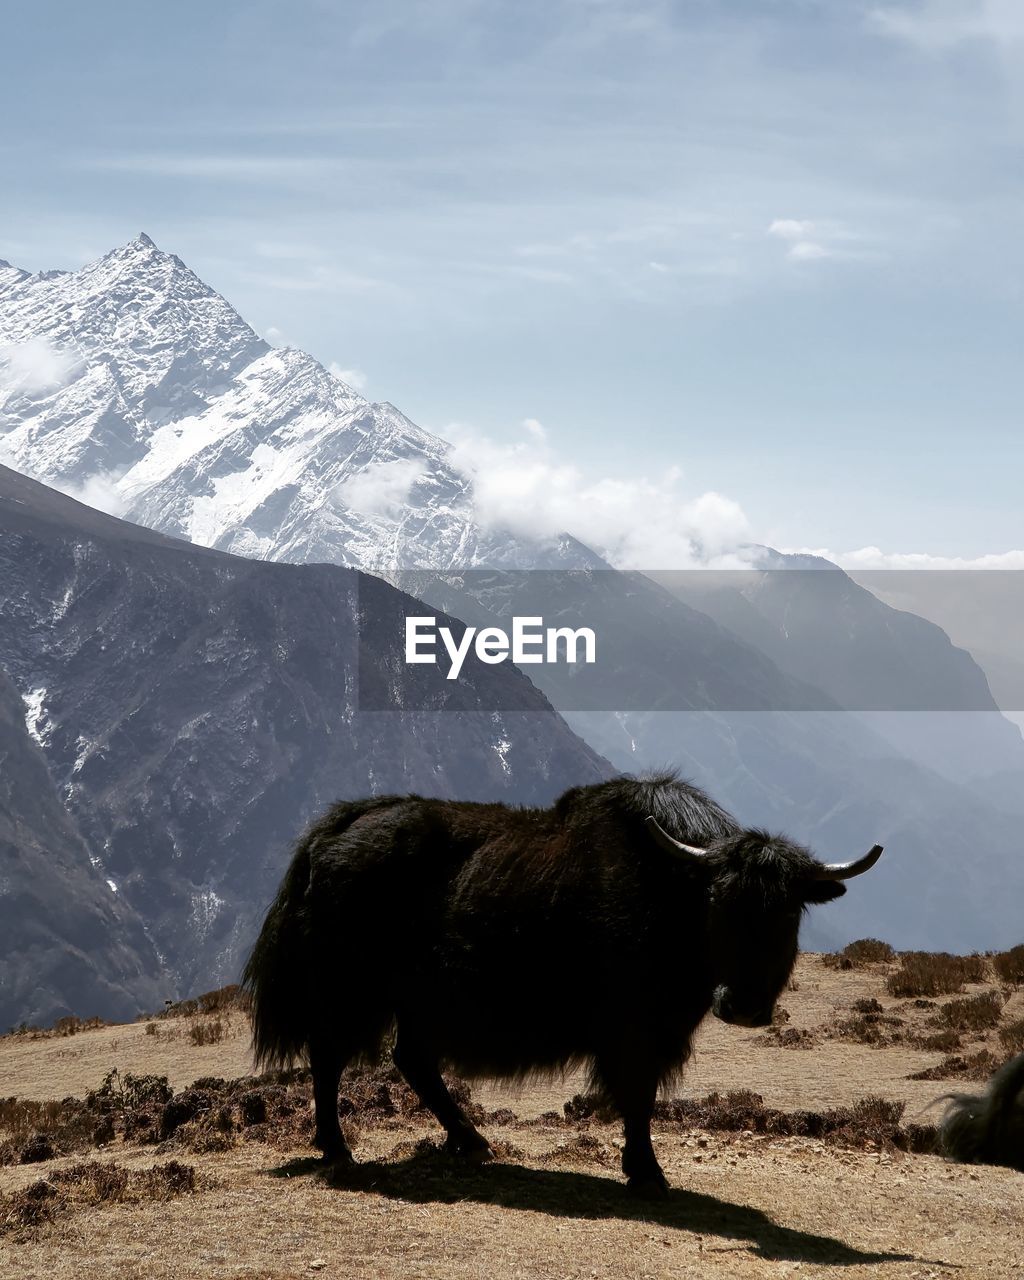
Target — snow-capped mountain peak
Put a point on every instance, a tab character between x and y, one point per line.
92	360
134	372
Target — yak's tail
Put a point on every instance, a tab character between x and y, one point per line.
275	976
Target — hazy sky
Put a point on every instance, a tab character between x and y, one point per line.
775	244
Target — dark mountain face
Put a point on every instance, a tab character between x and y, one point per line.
197	709
70	944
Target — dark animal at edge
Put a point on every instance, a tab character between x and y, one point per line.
988	1128
507	942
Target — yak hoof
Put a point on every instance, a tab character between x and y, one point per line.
338	1158
474	1149
478	1155
651	1186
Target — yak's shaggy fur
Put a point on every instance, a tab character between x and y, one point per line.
988	1128
506	942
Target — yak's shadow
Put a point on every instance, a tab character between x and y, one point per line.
430	1177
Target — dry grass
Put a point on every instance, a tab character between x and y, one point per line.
778	1159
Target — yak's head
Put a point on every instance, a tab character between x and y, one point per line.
758	887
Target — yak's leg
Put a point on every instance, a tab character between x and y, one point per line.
632	1087
419	1066
327	1061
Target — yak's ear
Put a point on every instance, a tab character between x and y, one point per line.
818	891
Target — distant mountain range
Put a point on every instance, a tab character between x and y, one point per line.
134	386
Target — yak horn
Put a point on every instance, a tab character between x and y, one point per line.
685	852
847	870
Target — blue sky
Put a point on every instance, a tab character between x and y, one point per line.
776	245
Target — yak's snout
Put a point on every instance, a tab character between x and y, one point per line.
725	1007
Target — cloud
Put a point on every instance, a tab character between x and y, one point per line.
354	378
383	488
36	366
936	25
875	558
811	241
98	490
636	523
791	228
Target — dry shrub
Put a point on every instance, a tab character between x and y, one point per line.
977	1066
871	1025
129	1092
868	1005
212	1114
935	973
210	1031
1009	965
973	1013
589	1106
91	1183
36	1131
871	1122
946	1041
223	1000
69	1025
783	1037
1012	1037
860	954
26	1031
867	951
865	1029
976	967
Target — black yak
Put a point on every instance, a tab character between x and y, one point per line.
988	1128
507	942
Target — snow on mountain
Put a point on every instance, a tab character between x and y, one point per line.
93	361
10	276
134	375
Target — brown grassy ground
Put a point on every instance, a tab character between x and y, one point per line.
552	1205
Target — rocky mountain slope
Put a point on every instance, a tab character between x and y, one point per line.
195	708
68	940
